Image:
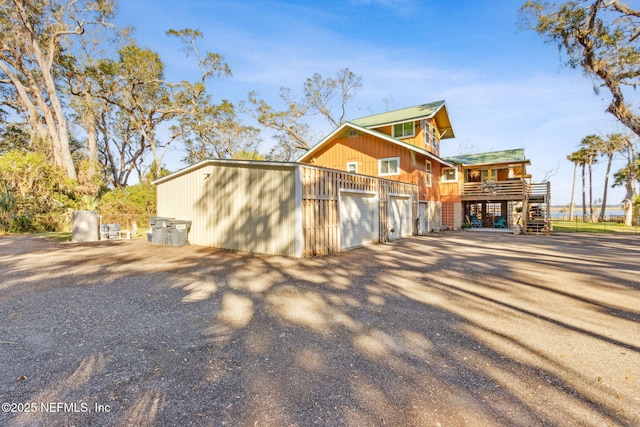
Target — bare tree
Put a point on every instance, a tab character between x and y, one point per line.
292	133
320	93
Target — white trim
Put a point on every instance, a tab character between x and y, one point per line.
428	183
352	163
448	180
413	129
380	173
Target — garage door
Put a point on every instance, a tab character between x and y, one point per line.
400	217
358	219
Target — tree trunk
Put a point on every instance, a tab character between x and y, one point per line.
89	120
606	184
573	190
584	195
51	107
630	185
591	216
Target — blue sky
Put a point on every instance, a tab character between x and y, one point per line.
504	87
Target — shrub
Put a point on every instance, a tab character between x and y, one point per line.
126	205
34	195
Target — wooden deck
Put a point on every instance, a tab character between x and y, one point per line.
534	198
513	189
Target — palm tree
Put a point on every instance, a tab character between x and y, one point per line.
581	156
590	153
608	148
575	159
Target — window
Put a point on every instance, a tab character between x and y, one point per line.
473	175
449	175
427	170
352	167
403	130
424	129
434	137
390	166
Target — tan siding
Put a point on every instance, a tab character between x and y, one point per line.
285	210
366	150
248	208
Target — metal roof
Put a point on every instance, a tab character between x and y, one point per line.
505	156
437	110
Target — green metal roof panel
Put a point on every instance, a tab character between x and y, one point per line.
423	111
410	113
505	156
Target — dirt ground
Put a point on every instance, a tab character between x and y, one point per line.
451	329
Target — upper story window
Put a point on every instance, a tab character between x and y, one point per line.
435	140
430	134
449	175
352	167
390	166
404	130
427	170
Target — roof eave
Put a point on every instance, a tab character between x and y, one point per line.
214	162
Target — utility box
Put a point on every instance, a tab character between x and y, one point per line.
85	226
159	229
179	232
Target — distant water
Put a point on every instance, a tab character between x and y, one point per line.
577	212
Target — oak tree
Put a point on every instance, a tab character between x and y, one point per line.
602	38
34	36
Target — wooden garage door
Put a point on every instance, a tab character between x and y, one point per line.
400	217
358	219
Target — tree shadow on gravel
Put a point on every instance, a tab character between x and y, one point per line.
454	329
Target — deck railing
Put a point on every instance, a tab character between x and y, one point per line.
510	189
540	189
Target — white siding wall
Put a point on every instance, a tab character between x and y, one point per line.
430	216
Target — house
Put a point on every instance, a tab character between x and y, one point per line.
401	145
288	209
495	186
374	179
404	145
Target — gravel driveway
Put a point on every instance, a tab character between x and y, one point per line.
454	329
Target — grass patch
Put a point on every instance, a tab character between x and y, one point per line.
56	236
593	227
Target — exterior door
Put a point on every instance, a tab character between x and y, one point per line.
400	217
358	219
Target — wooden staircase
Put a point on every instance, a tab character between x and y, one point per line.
537	209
